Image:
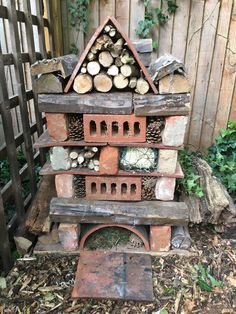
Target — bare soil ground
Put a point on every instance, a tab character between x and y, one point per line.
205	283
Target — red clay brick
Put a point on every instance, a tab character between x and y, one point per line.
174	131
113	188
57	126
109	160
69	236
114	128
160	238
64	185
165	189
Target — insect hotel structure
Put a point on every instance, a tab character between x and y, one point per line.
114	131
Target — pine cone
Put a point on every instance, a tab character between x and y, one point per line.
79	186
154	129
148	188
76	129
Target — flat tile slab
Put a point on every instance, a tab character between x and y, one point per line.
116	276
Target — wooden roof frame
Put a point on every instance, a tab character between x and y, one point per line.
129	43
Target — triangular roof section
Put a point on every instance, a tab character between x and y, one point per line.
112	20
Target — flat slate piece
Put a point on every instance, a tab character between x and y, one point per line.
161	105
103	103
116	276
47	170
44	140
69	210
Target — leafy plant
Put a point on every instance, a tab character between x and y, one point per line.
222	158
205	278
190	182
154	16
79	18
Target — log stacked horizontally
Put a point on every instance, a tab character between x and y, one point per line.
110	63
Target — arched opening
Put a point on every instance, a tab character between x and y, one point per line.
139	231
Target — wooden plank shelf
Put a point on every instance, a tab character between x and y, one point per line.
99	103
116	103
47	170
46	141
135	213
161	105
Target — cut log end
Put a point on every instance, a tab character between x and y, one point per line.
102	83
105	59
93	67
120	81
83	83
142	86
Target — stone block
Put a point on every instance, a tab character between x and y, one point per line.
64	185
114	128
113	188
109	160
165	189
69	236
174	131
174	84
59	157
167	161
57	124
160	237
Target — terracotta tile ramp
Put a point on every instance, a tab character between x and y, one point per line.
113	275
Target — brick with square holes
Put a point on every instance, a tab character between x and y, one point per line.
113	188
114	128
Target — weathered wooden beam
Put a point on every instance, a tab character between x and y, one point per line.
140	213
65	65
39	209
161	105
112	103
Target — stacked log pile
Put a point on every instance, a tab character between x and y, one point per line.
110	63
51	76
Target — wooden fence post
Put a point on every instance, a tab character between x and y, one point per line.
5	249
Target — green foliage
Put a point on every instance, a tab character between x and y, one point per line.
78	10
154	16
190	182
205	278
222	158
5	177
79	18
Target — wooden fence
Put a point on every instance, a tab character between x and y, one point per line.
202	34
23	25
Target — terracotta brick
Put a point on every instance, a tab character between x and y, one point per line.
109	160
113	188
57	126
167	161
165	189
160	238
64	185
174	131
114	128
69	236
